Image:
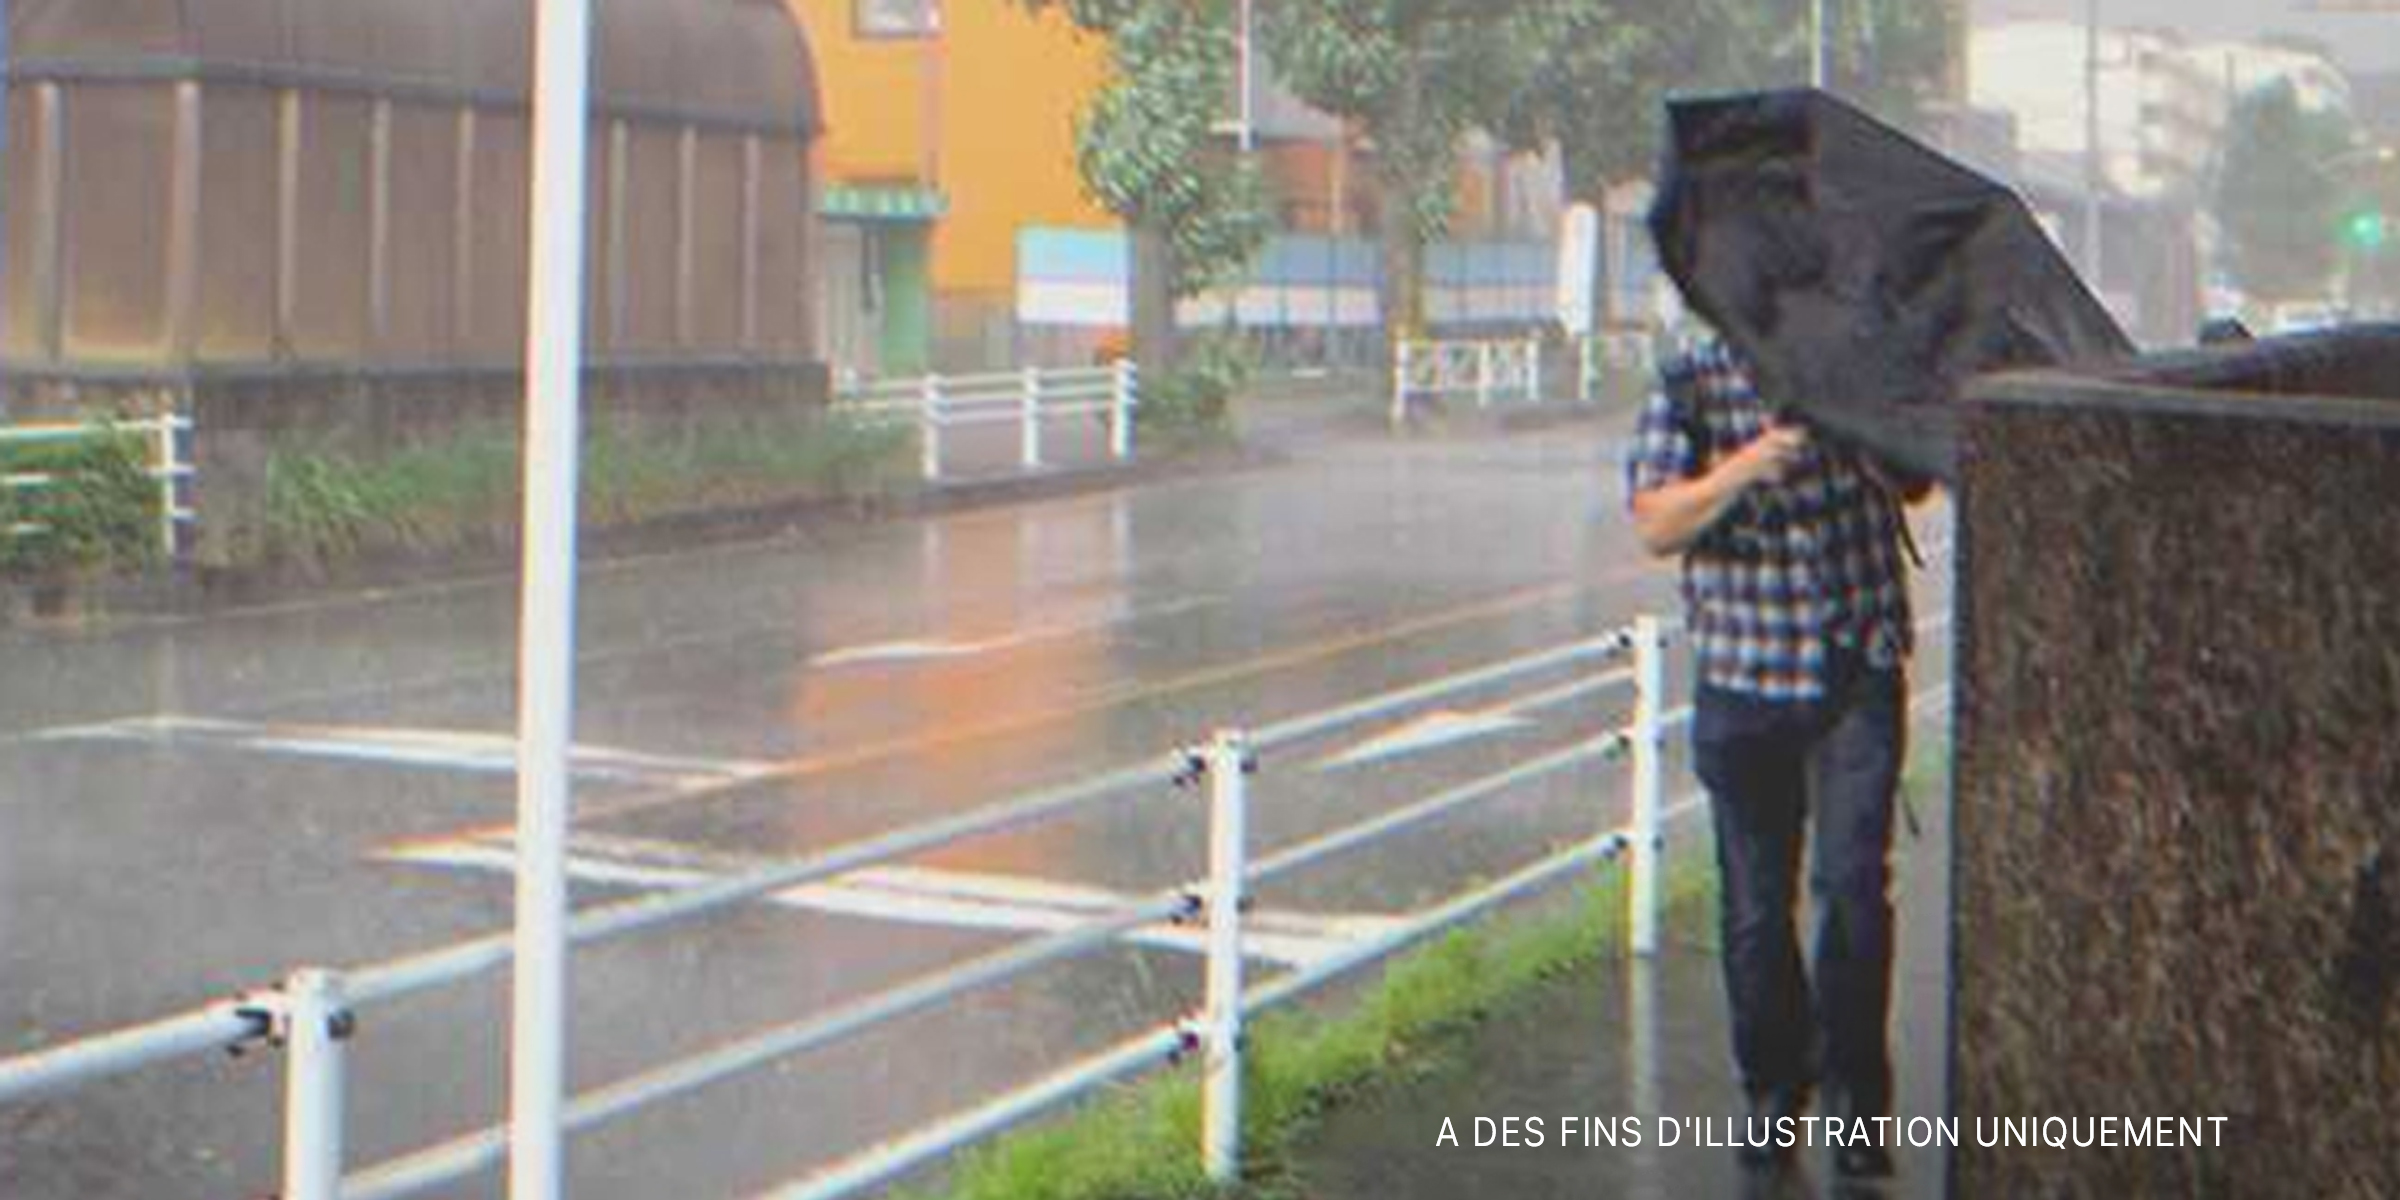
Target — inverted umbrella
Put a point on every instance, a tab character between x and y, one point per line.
1862	275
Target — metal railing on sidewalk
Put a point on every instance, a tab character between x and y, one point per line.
163	440
1029	399
1488	370
311	1015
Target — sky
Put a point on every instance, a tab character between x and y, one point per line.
2361	42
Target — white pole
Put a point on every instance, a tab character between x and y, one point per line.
162	450
1817	66
929	427
1029	418
1120	426
546	628
1400	386
2095	168
1649	779
1483	374
1249	71
1228	837
1533	370
315	1026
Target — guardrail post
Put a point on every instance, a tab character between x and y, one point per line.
929	427
1221	1073
1029	419
162	451
316	1025
1483	374
1400	356
1120	413
1649	780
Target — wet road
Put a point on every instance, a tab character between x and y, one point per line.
191	809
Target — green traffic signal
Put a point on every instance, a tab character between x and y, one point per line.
2366	230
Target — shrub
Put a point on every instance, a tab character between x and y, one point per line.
1194	401
98	512
324	504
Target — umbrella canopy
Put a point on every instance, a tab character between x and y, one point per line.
1862	275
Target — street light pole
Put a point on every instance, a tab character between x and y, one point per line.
1818	68
1249	70
2095	166
546	629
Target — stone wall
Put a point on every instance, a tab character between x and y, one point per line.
2178	779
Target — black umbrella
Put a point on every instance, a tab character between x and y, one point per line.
1863	276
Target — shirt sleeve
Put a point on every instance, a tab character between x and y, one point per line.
1661	452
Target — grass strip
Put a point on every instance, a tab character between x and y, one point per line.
462	491
1141	1141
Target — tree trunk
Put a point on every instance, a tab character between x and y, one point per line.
1604	269
1156	345
1403	243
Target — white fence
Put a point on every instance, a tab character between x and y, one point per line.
1597	357
1487	370
1029	399
163	437
310	1017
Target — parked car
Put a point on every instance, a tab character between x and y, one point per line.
2301	316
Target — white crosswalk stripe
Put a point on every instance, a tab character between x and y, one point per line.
913	895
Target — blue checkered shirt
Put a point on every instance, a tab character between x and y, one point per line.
1792	569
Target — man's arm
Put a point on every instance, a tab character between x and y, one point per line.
1670	517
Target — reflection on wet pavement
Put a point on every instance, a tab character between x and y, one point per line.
195	808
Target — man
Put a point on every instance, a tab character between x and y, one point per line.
1798	612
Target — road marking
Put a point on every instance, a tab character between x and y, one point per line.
1440	728
437	749
1100	700
911	650
1444	727
882	652
911	895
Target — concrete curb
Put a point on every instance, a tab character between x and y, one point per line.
200	592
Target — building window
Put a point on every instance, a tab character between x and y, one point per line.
898	18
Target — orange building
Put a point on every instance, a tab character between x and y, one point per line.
948	128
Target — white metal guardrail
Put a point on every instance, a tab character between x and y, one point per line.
1597	356
1028	399
163	437
1488	370
310	1016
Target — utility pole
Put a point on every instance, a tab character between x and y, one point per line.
2095	165
1818	69
1249	73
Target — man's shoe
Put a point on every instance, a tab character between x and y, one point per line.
1862	1162
1764	1123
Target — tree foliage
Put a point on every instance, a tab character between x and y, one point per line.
1600	69
2276	198
1147	146
1411	77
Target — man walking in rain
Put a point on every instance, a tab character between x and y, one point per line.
1798	611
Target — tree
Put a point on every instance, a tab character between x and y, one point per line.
1602	70
1411	77
1147	148
2276	196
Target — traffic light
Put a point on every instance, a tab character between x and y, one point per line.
2366	229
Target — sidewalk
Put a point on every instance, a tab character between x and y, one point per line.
1632	1038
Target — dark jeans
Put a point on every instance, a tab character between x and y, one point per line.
1766	764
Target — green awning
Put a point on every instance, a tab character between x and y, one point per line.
881	202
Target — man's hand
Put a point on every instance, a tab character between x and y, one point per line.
1769	457
1669	519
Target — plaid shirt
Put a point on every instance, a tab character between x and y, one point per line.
1791	569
